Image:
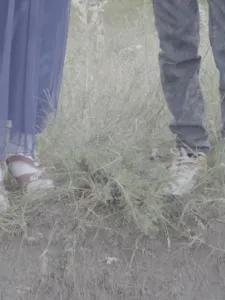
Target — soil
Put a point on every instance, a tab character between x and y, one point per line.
110	260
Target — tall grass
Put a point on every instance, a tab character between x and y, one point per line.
112	119
116	116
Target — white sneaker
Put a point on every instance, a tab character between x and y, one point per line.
29	173
184	172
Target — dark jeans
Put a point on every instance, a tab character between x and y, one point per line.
177	23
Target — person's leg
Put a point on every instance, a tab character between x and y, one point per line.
6	31
217	41
52	55
177	23
37	57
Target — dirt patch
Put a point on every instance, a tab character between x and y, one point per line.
110	260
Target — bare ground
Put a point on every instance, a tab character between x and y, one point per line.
108	259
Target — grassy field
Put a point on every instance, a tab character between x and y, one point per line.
107	232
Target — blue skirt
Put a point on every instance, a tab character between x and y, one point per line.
33	35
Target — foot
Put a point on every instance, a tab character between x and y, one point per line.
184	172
4	201
29	174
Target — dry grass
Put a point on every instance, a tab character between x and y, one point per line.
112	119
